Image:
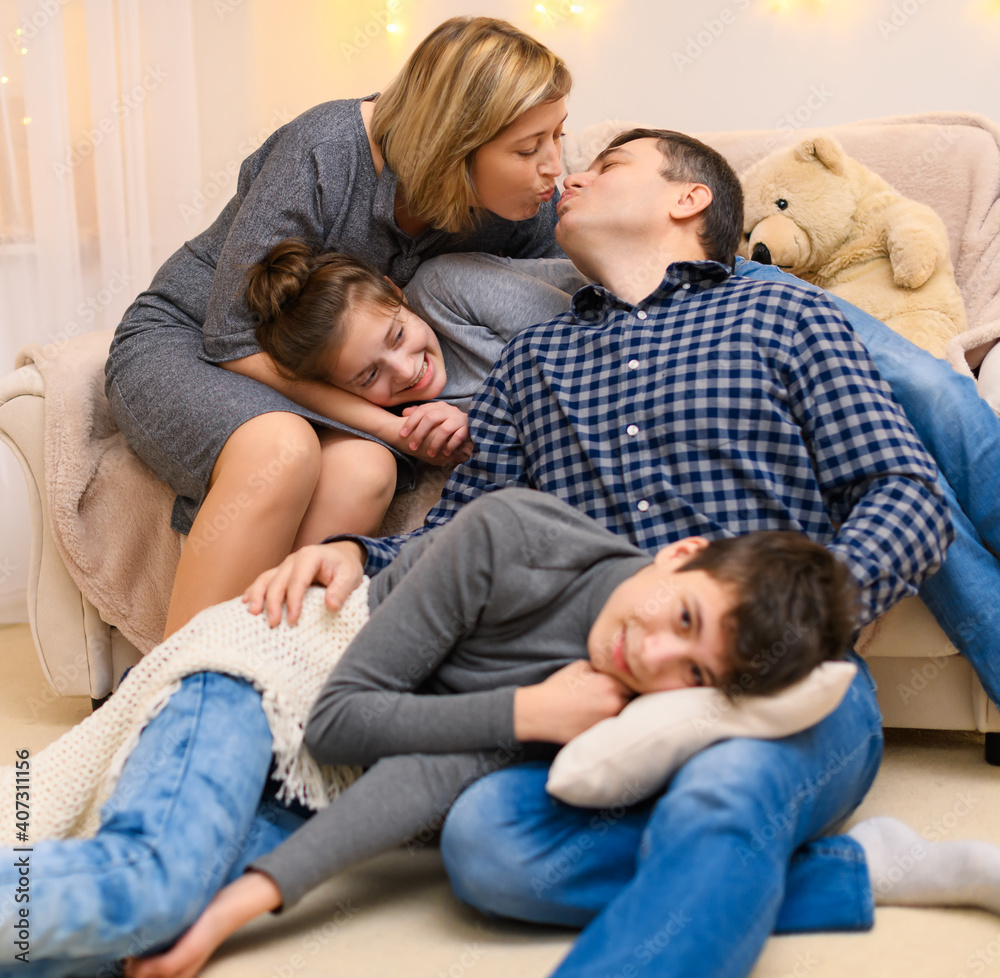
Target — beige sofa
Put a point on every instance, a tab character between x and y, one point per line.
103	555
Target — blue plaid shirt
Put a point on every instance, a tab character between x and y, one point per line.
716	406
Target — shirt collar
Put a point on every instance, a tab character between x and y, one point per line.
593	302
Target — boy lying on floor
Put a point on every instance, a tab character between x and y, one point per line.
522	620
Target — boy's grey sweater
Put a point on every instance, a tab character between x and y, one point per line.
500	597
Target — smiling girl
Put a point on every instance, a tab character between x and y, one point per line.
332	319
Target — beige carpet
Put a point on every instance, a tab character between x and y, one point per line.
394	916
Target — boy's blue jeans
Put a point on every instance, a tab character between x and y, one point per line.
187	816
692	882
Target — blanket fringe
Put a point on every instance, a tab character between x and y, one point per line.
73	777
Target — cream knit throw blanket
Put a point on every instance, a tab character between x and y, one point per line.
75	775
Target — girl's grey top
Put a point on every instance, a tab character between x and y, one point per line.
501	596
478	303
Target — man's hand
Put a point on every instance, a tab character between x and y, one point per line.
338	566
567	703
437	432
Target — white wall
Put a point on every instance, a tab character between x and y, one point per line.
696	65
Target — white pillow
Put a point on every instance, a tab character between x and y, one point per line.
629	757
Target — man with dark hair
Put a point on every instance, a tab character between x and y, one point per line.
686	159
676	398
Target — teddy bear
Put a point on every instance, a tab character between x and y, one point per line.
819	214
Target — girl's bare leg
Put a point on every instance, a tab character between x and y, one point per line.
261	487
357	479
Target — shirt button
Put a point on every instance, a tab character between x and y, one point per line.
642	505
633	364
633	429
686	285
641	314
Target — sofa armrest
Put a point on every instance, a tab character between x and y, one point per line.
80	654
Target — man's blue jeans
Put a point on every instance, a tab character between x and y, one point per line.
963	434
187	816
695	881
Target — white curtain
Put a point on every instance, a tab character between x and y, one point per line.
99	148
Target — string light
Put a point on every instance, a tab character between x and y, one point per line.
575	8
24	50
26	119
4	80
392	28
781	6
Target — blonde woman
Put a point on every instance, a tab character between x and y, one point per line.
459	153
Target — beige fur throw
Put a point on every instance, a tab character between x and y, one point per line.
110	513
74	776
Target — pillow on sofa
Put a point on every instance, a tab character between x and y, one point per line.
629	757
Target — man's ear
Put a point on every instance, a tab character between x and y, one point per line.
679	551
692	199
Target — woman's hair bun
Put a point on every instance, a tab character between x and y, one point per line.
276	281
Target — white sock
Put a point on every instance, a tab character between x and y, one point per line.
908	871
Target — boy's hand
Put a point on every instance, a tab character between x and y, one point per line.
339	566
567	703
437	432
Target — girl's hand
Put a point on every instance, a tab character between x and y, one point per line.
339	566
252	894
437	432
567	703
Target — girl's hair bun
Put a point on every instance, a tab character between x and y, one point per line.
277	281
